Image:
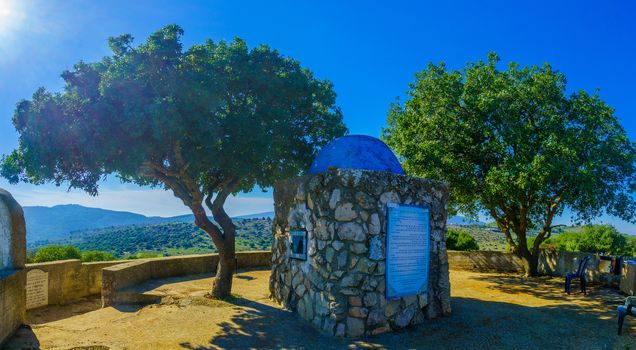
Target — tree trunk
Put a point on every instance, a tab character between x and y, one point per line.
222	284
530	261
224	243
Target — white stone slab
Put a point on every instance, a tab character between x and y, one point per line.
5	237
37	289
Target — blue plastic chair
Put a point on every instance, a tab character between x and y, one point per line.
624	310
580	274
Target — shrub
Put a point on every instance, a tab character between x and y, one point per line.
97	255
460	240
56	252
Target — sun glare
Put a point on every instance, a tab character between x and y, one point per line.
10	16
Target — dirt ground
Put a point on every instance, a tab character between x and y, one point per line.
490	311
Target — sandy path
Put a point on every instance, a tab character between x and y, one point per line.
490	311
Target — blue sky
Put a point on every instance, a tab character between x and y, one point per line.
370	50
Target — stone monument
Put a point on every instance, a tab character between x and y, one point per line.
360	248
12	271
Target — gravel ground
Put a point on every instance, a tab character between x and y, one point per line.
490	311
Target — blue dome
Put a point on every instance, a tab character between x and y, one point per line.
356	152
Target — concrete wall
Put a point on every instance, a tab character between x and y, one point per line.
484	261
554	263
70	280
116	278
12	260
12	302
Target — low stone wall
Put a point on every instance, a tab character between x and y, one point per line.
118	277
554	263
69	280
484	261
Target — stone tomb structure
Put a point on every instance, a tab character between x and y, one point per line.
12	261
329	259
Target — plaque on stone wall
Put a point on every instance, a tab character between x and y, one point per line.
408	250
37	289
5	237
298	244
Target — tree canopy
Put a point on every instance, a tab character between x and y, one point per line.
594	239
515	145
206	122
460	240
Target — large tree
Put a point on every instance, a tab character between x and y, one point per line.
515	145
206	123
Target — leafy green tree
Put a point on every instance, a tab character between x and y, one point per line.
56	252
512	144
594	239
460	240
97	255
207	122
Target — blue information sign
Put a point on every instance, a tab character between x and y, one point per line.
408	250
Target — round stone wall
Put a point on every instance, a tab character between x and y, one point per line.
340	287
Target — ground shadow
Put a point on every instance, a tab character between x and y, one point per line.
474	324
23	339
53	313
157	283
599	298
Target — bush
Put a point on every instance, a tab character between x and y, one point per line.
56	252
460	240
97	255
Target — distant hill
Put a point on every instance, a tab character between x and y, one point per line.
168	238
58	221
266	215
462	221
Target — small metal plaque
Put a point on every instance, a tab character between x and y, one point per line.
37	289
298	244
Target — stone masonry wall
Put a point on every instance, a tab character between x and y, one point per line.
340	288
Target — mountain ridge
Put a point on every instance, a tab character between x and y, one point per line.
59	221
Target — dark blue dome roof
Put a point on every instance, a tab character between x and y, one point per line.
356	152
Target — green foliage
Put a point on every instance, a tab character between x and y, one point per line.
215	119
594	239
56	252
513	144
96	255
460	240
190	120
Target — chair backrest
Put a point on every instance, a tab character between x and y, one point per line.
583	265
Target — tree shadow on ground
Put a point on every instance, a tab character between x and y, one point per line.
598	298
474	324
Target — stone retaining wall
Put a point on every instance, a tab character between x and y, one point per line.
118	277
